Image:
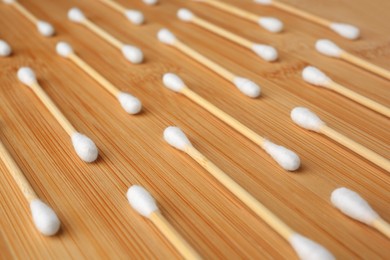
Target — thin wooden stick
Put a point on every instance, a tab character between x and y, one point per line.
25	12
115	5
102	33
173	236
382	226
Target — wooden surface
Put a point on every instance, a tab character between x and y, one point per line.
97	221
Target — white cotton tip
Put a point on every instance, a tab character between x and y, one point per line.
315	77
84	147
328	48
307	249
27	76
346	30
133	54
166	36
134	16
306	119
76	15
173	82
263	2
44	217
45	28
271	24
64	49
248	87
176	138
150	2
9	1
141	200
130	104
5	49
286	158
185	15
354	206
266	52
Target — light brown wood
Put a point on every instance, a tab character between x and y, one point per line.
25	12
382	226
102	33
356	147
114	5
173	236
359	98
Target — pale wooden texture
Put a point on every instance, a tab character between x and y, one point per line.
90	200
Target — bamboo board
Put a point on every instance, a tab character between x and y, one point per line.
97	221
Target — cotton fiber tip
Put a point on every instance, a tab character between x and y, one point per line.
307	249
185	15
286	158
5	49
64	49
328	48
46	29
315	77
27	76
84	147
306	119
271	24
45	219
141	200
263	2
176	138
166	36
76	15
266	52
134	16
346	30
247	87
173	82
133	54
9	1
130	104
150	2
354	206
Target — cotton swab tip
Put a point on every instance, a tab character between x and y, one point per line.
135	16
271	24
286	158
64	49
328	48
173	82
166	36
5	49
185	15
84	147
130	104
352	205
315	77
44	217
150	2
133	54
176	138
45	28
266	52
9	1
27	76
307	249
141	200
263	2
306	119
346	30
248	87
76	15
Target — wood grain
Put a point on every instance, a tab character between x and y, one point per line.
97	221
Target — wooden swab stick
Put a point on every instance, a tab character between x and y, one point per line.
330	49
84	147
284	157
45	219
44	28
344	30
316	77
308	120
354	206
246	86
269	23
266	52
134	16
143	202
130	104
305	248
131	53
